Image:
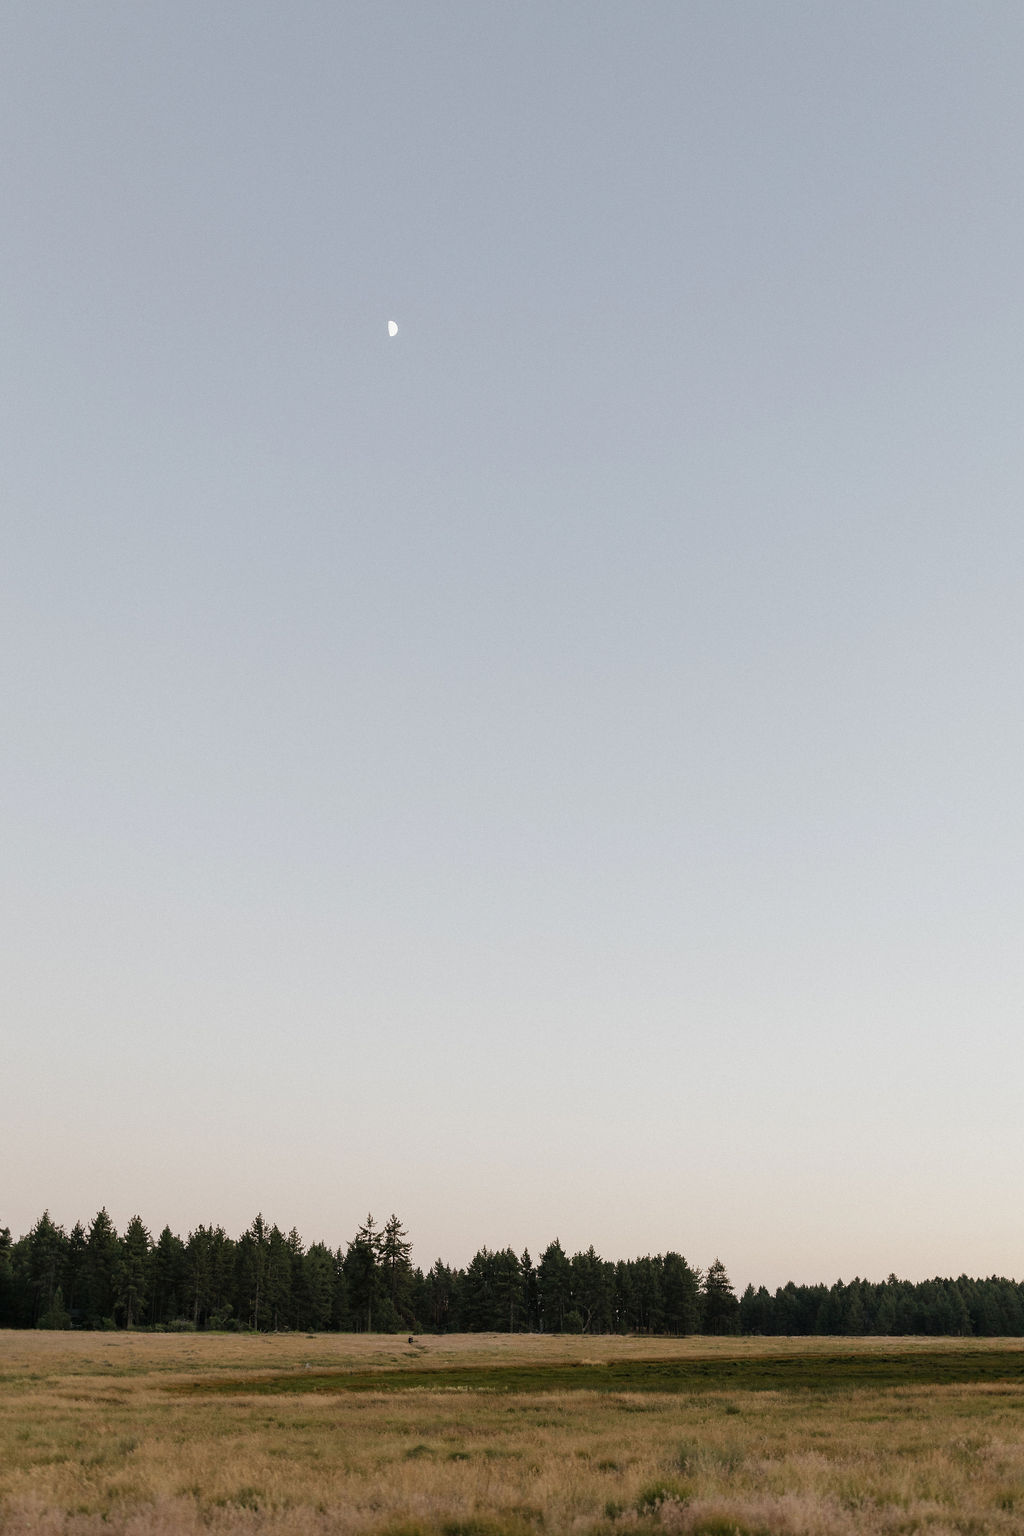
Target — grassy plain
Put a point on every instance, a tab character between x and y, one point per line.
490	1435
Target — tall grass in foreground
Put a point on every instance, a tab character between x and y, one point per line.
91	1441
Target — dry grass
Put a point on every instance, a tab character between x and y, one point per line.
92	1441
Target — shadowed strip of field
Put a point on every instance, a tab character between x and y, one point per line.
810	1372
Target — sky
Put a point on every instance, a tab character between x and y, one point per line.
555	772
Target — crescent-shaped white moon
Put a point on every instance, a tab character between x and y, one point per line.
392	328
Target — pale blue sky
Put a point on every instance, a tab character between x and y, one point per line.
558	771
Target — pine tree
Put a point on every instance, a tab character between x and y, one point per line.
252	1256
341	1311
318	1288
591	1291
720	1307
480	1311
439	1297
199	1254
7	1313
168	1279
209	1256
102	1262
531	1301
362	1271
46	1249
74	1271
554	1287
133	1272
396	1270
279	1279
626	1308
297	1284
681	1294
650	1300
757	1311
508	1289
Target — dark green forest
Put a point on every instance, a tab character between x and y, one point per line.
267	1280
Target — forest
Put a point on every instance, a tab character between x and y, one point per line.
268	1280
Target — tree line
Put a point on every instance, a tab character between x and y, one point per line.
269	1280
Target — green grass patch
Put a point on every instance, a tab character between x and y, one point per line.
474	1525
788	1373
722	1525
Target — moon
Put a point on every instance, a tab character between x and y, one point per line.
392	327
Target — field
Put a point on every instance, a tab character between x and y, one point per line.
489	1435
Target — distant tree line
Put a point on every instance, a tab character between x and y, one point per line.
269	1280
989	1308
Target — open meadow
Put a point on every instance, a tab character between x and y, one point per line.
159	1434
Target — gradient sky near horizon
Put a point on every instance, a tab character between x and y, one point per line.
556	772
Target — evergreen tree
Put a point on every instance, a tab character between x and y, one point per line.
199	1257
554	1287
297	1284
279	1279
885	1317
395	1266
439	1298
102	1262
210	1264
169	1284
7	1313
74	1271
508	1290
831	1314
720	1307
592	1285
318	1288
132	1280
854	1316
252	1257
958	1321
650	1298
757	1311
797	1308
625	1308
680	1289
362	1272
22	1300
341	1311
531	1299
480	1305
46	1249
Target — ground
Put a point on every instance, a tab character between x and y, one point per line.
490	1435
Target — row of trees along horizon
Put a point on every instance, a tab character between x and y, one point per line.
267	1280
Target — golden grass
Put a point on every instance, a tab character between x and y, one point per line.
91	1441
